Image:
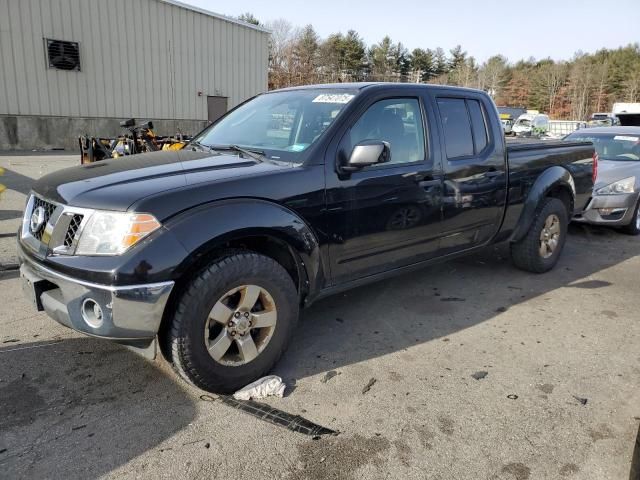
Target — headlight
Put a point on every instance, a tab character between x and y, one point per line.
112	233
625	185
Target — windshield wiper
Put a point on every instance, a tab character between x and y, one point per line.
200	145
255	154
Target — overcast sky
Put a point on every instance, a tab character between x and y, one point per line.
515	28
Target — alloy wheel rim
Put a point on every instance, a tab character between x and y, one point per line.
549	236
638	218
240	325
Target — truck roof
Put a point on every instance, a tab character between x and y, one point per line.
366	85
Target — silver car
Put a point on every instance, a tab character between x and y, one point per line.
617	187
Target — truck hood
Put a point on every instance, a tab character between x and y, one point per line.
118	183
610	171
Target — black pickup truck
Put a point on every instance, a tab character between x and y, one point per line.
209	252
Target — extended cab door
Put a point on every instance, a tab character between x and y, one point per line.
387	215
475	170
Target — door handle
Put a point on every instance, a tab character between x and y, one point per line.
428	181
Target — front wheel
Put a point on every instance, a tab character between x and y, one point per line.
634	227
233	322
540	249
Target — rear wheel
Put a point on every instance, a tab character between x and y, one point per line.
233	322
634	227
540	249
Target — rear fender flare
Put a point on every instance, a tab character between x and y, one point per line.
550	179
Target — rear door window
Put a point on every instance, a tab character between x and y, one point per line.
480	137
464	125
458	138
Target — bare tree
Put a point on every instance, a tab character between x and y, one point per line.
492	74
551	77
632	86
280	52
602	74
581	81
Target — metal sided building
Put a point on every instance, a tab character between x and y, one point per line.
75	67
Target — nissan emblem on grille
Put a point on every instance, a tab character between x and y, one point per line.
37	219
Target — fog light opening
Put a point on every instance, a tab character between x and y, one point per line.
92	313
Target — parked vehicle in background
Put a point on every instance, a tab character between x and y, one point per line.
513	112
603	120
561	128
628	113
531	124
507	123
295	195
616	193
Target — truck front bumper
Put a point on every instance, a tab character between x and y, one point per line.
129	314
614	210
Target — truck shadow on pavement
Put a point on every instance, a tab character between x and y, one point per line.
79	408
393	315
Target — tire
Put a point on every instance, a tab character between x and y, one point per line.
634	227
238	272
527	254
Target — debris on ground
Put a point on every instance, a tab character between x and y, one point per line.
368	386
452	299
339	320
501	309
265	412
329	375
269	386
11	340
480	375
512	396
583	401
9	267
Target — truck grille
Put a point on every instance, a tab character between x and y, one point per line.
62	223
74	226
48	211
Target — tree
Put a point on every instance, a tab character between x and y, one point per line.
280	53
458	57
422	63
305	52
581	81
491	76
440	62
343	57
249	18
383	59
550	78
571	89
354	54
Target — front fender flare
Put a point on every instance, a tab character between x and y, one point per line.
551	178
206	227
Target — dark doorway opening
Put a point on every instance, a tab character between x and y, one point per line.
216	107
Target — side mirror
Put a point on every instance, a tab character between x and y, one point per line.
366	153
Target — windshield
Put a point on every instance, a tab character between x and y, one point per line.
281	124
623	148
524	122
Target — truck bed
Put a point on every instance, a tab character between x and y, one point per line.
530	143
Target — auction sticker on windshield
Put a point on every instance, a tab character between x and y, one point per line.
626	138
333	98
